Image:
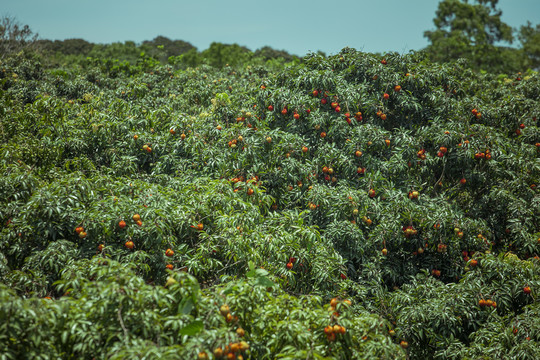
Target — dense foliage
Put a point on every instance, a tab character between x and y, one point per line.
351	206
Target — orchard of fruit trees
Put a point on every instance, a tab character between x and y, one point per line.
342	207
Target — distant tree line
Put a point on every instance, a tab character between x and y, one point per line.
470	30
164	50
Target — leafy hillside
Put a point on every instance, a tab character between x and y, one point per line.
344	207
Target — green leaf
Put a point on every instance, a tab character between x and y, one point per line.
186	306
264	281
192	329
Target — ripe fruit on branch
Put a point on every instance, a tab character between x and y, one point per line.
136	217
290	265
527	290
296	116
82	234
413	194
224	309
240	332
305	149
122	224
129	244
270	108
397	88
372	193
328	330
218	352
409	231
384	251
284	111
358	153
386	96
169	252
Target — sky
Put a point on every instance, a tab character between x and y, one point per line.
297	26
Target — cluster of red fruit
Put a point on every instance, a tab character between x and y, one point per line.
332	331
487	303
234	350
414	194
232	143
476	113
520	127
226	313
409	231
442	248
357	116
198	227
483	155
80	231
367	220
381	115
442	151
466	258
250	191
137	219
147	148
328	171
421	154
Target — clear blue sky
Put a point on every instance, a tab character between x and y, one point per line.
298	26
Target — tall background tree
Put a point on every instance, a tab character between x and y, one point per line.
14	36
476	32
529	37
